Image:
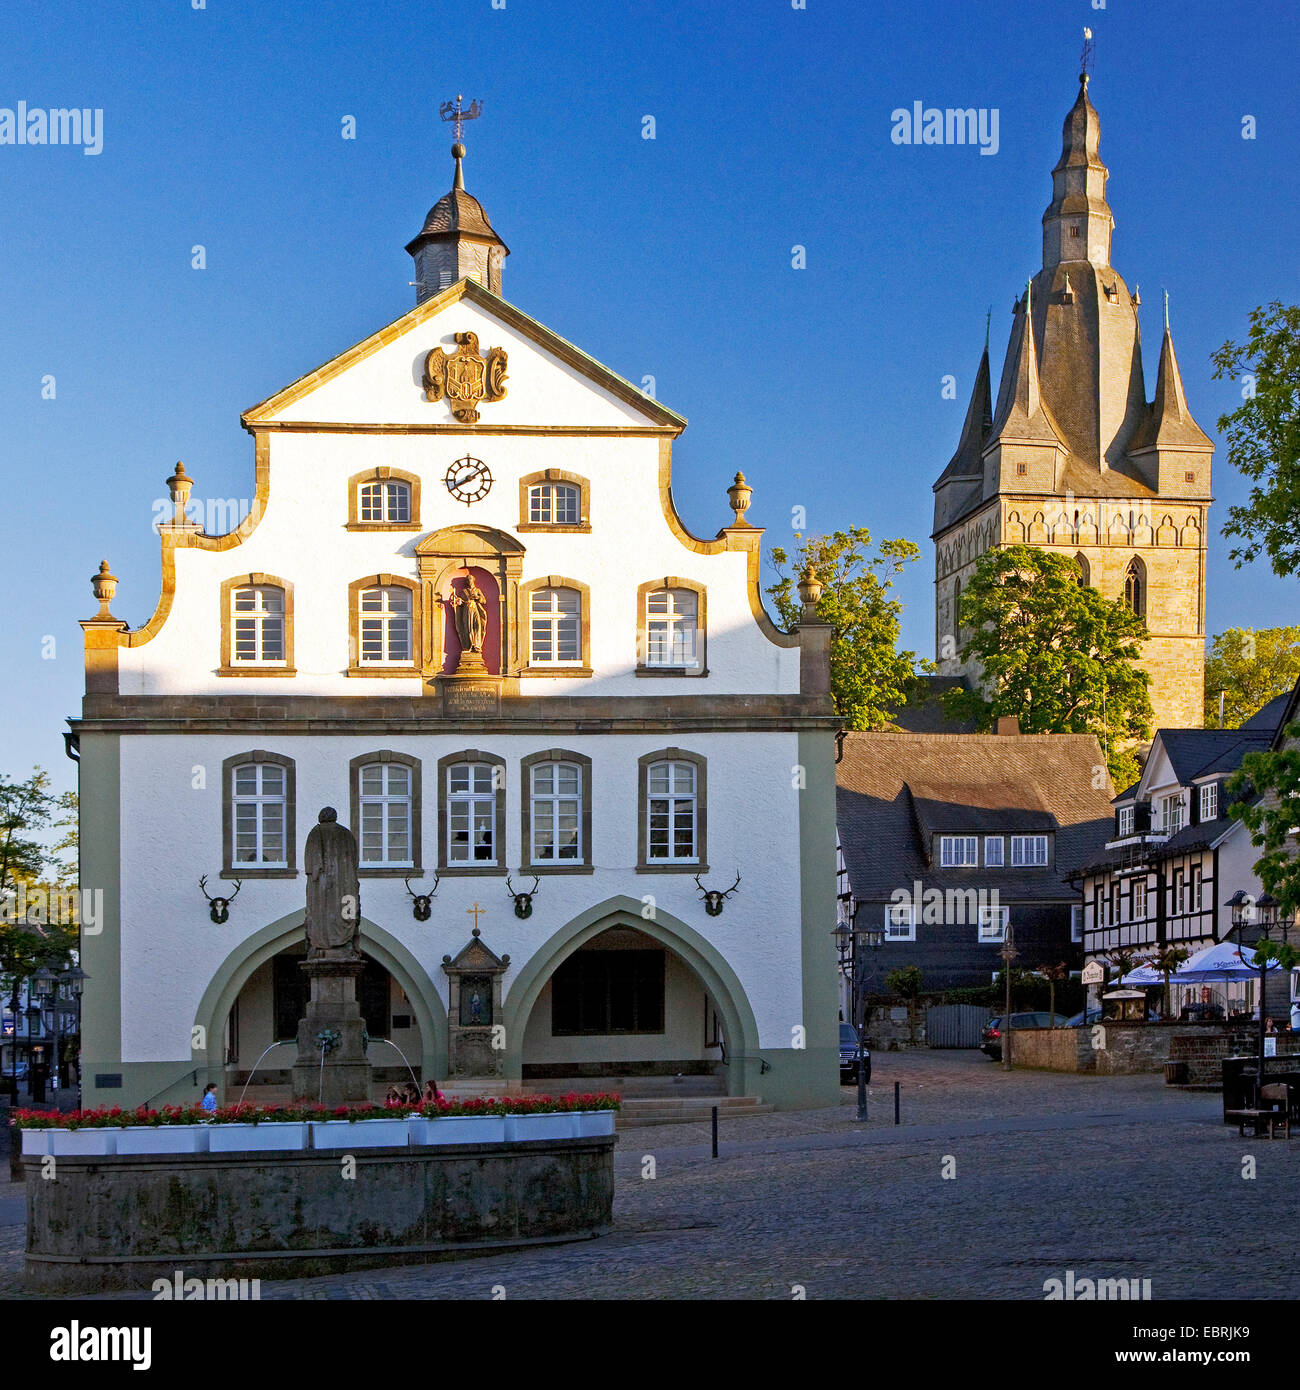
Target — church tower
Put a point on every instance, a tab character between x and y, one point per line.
457	241
1072	458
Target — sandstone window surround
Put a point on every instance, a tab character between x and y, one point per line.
1135	587
554	500
671	628
672	816
256	626
472	814
553	627
258	815
383	499
384	627
556	813
386	813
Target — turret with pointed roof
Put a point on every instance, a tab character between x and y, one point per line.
1072	455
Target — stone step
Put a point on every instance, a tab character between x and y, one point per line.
688	1110
663	1087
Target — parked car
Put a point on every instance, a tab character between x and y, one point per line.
850	1054
1085	1019
992	1044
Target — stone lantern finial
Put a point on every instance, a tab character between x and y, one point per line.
741	494
179	485
810	589
104	585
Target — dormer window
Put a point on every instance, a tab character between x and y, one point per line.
1171	812
1124	821
994	851
959	851
1210	801
1029	851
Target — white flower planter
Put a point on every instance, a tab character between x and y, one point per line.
36	1141
560	1125
459	1129
285	1136
162	1139
76	1143
359	1134
592	1122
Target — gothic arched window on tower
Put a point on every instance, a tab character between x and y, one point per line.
1085	574
1135	587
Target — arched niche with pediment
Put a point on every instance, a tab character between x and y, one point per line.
440	557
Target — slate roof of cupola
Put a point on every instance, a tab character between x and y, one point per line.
456	213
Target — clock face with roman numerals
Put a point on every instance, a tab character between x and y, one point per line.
468	480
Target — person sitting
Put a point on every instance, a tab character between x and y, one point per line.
431	1093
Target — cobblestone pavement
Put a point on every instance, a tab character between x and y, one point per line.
1115	1177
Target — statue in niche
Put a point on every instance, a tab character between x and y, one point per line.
469	608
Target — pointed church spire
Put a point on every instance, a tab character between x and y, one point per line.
1078	222
1169	422
967	461
1021	413
457	241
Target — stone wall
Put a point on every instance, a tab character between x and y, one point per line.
122	1222
888	1029
1127	1049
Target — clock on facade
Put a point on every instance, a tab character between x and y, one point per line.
468	480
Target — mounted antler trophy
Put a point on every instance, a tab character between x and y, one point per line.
714	897
422	903
523	901
219	908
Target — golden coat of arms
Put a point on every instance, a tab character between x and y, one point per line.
465	377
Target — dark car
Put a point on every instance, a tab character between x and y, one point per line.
850	1055
992	1044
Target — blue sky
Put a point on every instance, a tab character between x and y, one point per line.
670	257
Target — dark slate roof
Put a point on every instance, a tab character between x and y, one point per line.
1198	752
924	712
1190	837
894	787
1269	716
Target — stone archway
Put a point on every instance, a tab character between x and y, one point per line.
238	967
741	1029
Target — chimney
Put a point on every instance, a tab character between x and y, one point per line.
1007	724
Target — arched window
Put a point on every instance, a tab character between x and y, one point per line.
383	499
554	627
1135	587
471	813
671	628
557	811
258	824
256	626
554	500
672	811
386	812
1085	572
390	501
384	626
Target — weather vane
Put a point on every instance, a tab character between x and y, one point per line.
1089	53
454	111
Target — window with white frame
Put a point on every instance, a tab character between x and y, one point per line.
958	851
1029	851
672	628
259	804
1194	889
257	625
1076	922
472	814
555	627
1126	820
385	800
671	813
384	501
1139	899
554	504
1171	813
900	922
384	626
993	923
1210	801
555	823
994	850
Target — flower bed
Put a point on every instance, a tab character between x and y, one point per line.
177	1129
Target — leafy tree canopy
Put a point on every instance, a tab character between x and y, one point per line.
870	677
27	809
1055	653
1250	667
1263	435
1273	819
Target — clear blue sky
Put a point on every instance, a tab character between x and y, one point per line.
670	257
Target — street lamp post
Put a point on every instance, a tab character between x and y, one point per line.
44	990
853	944
1008	954
1261	912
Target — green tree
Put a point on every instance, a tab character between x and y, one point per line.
1166	961
1054	975
870	677
1055	653
1263	435
1250	667
1272	819
906	982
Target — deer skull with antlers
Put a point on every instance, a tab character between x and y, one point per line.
714	897
523	901
219	908
422	903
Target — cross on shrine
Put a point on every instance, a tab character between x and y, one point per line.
474	912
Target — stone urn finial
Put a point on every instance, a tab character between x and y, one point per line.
104	585
741	494
810	588
179	485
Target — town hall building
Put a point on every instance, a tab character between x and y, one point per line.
1071	456
592	783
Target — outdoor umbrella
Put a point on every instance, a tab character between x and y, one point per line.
1219	963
